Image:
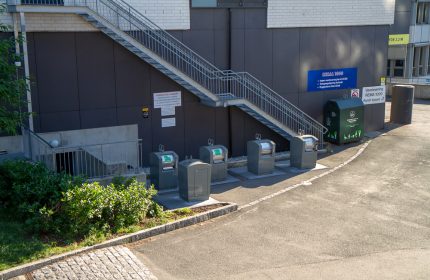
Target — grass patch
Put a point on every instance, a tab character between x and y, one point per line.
18	247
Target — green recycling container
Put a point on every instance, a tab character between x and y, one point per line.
344	119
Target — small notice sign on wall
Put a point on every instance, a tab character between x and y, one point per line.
373	95
167	111
167	99
168	122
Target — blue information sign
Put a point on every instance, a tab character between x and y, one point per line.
332	79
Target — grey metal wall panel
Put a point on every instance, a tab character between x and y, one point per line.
222	127
202	42
380	53
98	118
255	18
238	18
258	54
57	80
132	81
95	62
221	49
362	48
199	126
57	121
312	53
286	61
338	47
220	18
403	5
133	115
312	104
238	50
238	146
402	22
201	19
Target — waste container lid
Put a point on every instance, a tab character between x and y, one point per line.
347	103
192	162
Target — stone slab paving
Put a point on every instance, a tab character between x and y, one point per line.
108	263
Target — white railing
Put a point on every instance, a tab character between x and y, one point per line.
89	161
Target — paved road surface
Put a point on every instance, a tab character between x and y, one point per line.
368	220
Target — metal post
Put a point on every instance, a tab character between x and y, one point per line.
26	71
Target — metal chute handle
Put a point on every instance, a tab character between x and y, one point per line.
257	136
161	148
211	142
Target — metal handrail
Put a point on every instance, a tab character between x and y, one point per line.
90	160
240	85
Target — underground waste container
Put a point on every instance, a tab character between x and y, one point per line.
216	156
261	156
194	180
304	151
344	119
164	170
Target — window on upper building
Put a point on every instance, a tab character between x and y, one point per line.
203	3
421	60
395	68
423	13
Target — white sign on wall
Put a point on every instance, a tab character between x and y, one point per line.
168	122
373	95
167	111
167	99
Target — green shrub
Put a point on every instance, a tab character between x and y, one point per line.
32	192
108	209
64	206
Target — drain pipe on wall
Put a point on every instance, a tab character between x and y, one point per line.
26	64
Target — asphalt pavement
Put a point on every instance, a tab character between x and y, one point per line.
368	220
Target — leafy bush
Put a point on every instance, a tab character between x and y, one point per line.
59	204
31	190
108	209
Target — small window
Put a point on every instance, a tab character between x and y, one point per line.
399	68
203	3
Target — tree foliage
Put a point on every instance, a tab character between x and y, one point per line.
12	87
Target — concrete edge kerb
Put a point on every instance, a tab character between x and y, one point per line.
129	238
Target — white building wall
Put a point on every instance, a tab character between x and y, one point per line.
56	22
316	13
5	18
168	14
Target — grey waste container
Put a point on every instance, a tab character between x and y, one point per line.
402	103
304	151
261	156
194	180
164	170
216	156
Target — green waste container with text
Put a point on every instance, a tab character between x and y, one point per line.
344	119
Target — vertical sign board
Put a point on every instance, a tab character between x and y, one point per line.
167	102
373	95
332	79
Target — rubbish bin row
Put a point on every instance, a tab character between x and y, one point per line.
194	176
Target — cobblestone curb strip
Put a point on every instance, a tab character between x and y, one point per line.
111	263
26	268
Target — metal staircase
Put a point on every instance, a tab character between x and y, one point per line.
214	87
